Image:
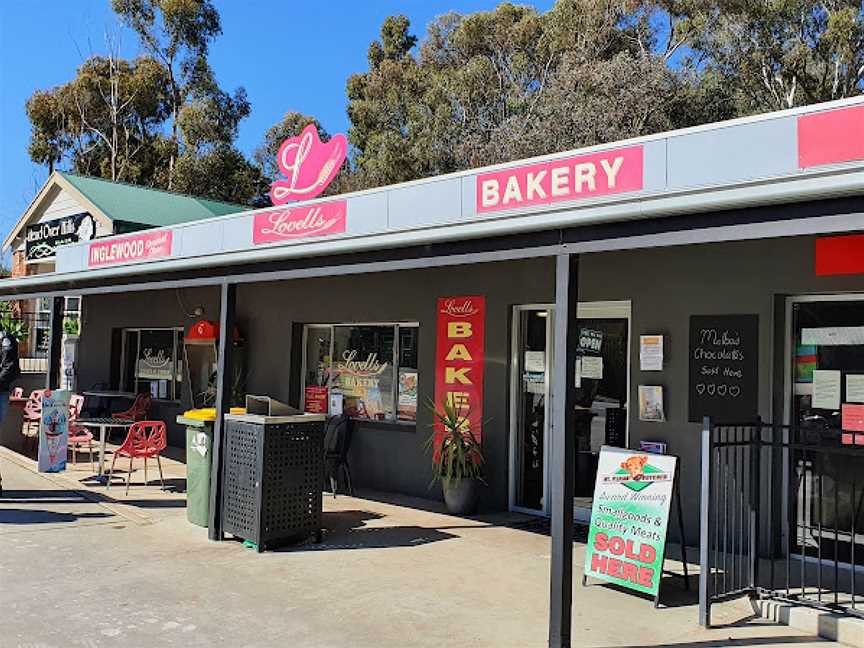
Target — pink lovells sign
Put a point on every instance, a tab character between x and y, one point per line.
308	165
138	247
300	222
580	176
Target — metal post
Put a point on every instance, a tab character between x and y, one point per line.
755	501
705	527
224	384
55	341
562	464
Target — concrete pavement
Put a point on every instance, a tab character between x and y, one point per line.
78	572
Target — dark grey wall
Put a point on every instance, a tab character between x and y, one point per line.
392	456
667	285
163	308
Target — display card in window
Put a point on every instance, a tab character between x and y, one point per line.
363	370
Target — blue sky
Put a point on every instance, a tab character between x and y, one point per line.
289	55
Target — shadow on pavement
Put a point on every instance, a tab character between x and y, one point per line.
40	516
730	642
344	530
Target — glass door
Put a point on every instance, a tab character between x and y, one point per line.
602	388
825	407
529	406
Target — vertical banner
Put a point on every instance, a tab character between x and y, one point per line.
54	430
629	516
459	358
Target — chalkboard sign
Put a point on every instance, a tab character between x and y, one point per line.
724	367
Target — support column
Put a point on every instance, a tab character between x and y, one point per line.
224	384
563	446
55	342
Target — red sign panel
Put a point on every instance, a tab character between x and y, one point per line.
839	255
459	358
128	249
831	137
300	222
315	399
582	176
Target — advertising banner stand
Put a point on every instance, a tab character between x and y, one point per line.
54	430
629	519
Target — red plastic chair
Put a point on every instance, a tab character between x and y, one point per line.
79	435
18	392
139	410
146	439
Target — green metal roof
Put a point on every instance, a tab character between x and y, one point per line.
150	207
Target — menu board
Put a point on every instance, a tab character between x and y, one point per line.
724	367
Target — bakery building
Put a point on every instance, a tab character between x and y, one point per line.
618	295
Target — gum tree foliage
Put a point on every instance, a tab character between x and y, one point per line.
780	53
160	120
104	122
477	89
510	83
177	33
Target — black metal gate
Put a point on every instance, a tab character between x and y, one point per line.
782	516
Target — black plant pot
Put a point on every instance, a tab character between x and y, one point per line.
461	497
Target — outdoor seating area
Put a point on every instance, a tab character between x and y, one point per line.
101	426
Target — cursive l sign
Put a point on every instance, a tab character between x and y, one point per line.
308	165
300	222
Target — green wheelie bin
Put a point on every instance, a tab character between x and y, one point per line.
199	450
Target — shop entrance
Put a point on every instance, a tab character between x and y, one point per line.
602	390
825	409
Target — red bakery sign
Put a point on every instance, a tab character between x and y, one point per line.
459	358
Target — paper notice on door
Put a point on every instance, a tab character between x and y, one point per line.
826	389
852	418
855	388
592	367
833	335
535	361
651	353
577	382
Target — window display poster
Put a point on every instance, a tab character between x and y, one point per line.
651	353
855	388
54	430
651	403
363	376
806	360
459	358
315	399
407	402
629	518
826	389
335	403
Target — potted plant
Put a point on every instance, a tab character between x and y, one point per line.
457	458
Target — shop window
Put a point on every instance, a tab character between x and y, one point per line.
152	362
367	371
